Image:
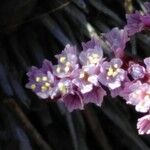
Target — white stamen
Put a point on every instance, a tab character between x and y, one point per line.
38	79
33	86
44	78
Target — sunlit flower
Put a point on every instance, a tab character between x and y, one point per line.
41	81
117	39
92	52
138	94
143	125
64	86
86	78
67	62
67	93
111	74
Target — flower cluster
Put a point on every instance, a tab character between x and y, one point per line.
88	76
74	80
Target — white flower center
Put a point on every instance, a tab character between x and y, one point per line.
62	59
113	70
33	86
62	88
44	78
94	58
38	79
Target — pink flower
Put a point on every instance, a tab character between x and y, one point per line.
86	78
92	52
67	62
111	74
137	94
42	80
143	125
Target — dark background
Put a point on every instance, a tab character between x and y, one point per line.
31	30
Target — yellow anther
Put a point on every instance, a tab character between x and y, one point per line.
33	86
47	84
67	69
38	79
62	88
82	75
94	55
94	58
115	73
110	71
44	78
62	59
68	63
43	88
58	69
115	65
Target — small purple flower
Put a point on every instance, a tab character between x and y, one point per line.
143	125
67	62
111	74
117	39
41	81
134	23
95	96
92	52
73	101
64	86
86	78
67	93
91	58
136	71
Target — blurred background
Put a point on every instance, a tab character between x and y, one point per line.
31	30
